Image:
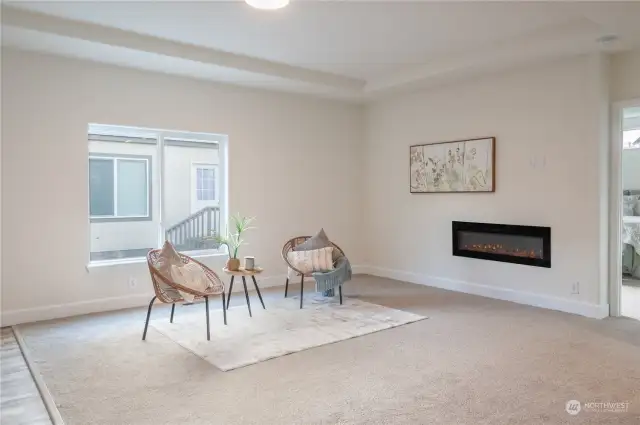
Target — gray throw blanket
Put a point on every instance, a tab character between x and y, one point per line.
327	281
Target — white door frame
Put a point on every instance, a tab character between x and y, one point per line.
615	205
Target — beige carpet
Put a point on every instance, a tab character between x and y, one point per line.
476	361
283	328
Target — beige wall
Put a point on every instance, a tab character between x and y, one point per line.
547	174
625	76
288	155
294	163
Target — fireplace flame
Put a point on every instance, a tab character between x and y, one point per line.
500	249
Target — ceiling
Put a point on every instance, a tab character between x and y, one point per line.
347	49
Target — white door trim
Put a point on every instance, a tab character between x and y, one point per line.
615	205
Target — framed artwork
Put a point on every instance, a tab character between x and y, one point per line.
460	166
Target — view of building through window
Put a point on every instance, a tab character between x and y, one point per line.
147	186
631	139
205	181
119	186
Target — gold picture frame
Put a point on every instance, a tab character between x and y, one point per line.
460	166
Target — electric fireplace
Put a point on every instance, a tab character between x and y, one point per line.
529	245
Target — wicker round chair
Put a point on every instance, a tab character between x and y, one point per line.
167	290
288	247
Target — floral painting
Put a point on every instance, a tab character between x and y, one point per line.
462	166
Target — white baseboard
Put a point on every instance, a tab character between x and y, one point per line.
58	311
359	269
537	300
28	315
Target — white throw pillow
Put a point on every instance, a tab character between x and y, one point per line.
191	276
168	258
315	260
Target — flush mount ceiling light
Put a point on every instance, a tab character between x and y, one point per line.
267	4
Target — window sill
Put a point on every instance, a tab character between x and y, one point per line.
142	260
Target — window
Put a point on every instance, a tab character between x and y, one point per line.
147	186
119	187
205	183
631	139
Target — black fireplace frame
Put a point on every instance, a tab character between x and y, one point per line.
508	229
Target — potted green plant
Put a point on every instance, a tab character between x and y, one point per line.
233	239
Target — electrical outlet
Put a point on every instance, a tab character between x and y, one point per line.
575	288
133	282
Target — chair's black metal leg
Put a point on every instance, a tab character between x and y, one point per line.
173	307
224	309
146	324
246	294
230	289
206	305
258	289
301	289
340	290
286	288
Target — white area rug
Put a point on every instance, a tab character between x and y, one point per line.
279	330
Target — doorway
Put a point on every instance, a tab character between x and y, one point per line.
628	276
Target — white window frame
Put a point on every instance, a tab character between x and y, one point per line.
222	180
116	217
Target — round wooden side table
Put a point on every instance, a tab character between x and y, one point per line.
241	272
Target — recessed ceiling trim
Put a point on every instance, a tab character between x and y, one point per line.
117	37
569	39
70	35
